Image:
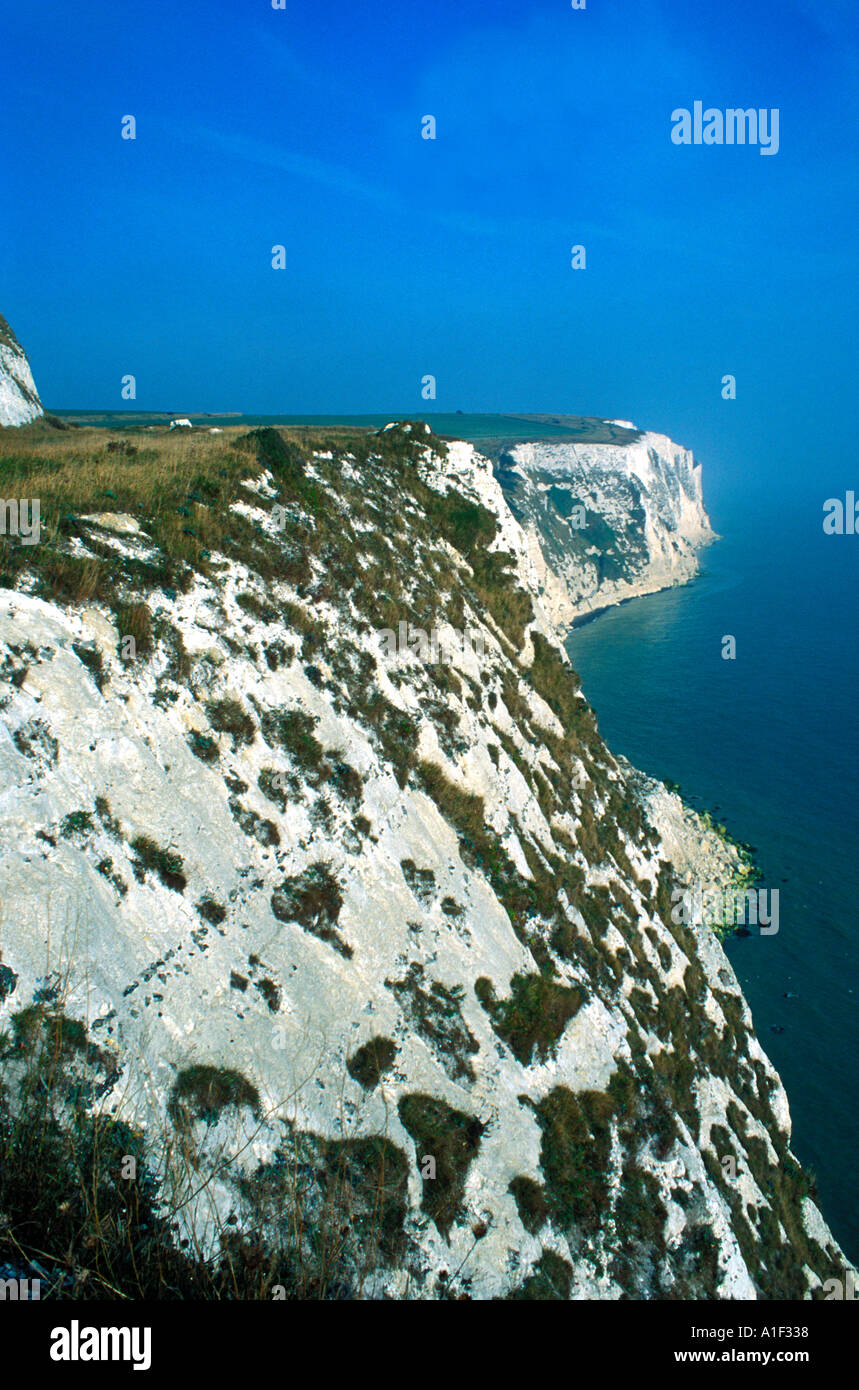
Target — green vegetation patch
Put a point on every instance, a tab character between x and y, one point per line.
204	1092
450	1138
76	823
285	460
367	1179
421	881
278	786
167	864
551	1279
42	1032
228	716
292	729
574	1155
339	1207
481	848
211	911
93	660
312	899
534	1017
203	746
65	1203
640	1218
368	1065
531	1204
134	620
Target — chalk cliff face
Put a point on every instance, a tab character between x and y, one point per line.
19	399
363	932
609	521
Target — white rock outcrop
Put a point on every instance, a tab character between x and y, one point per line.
606	522
19	399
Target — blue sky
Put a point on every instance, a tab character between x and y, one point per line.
452	257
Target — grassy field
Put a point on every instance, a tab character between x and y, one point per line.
179	487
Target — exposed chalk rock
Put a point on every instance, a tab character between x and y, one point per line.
19	399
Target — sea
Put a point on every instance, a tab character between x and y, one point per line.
769	742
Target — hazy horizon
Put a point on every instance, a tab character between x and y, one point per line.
407	257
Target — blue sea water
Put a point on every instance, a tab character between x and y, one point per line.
769	741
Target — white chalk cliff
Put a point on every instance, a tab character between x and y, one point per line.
606	521
410	916
19	399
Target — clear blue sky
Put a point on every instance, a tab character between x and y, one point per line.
452	257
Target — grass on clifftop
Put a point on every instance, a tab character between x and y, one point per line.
181	488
